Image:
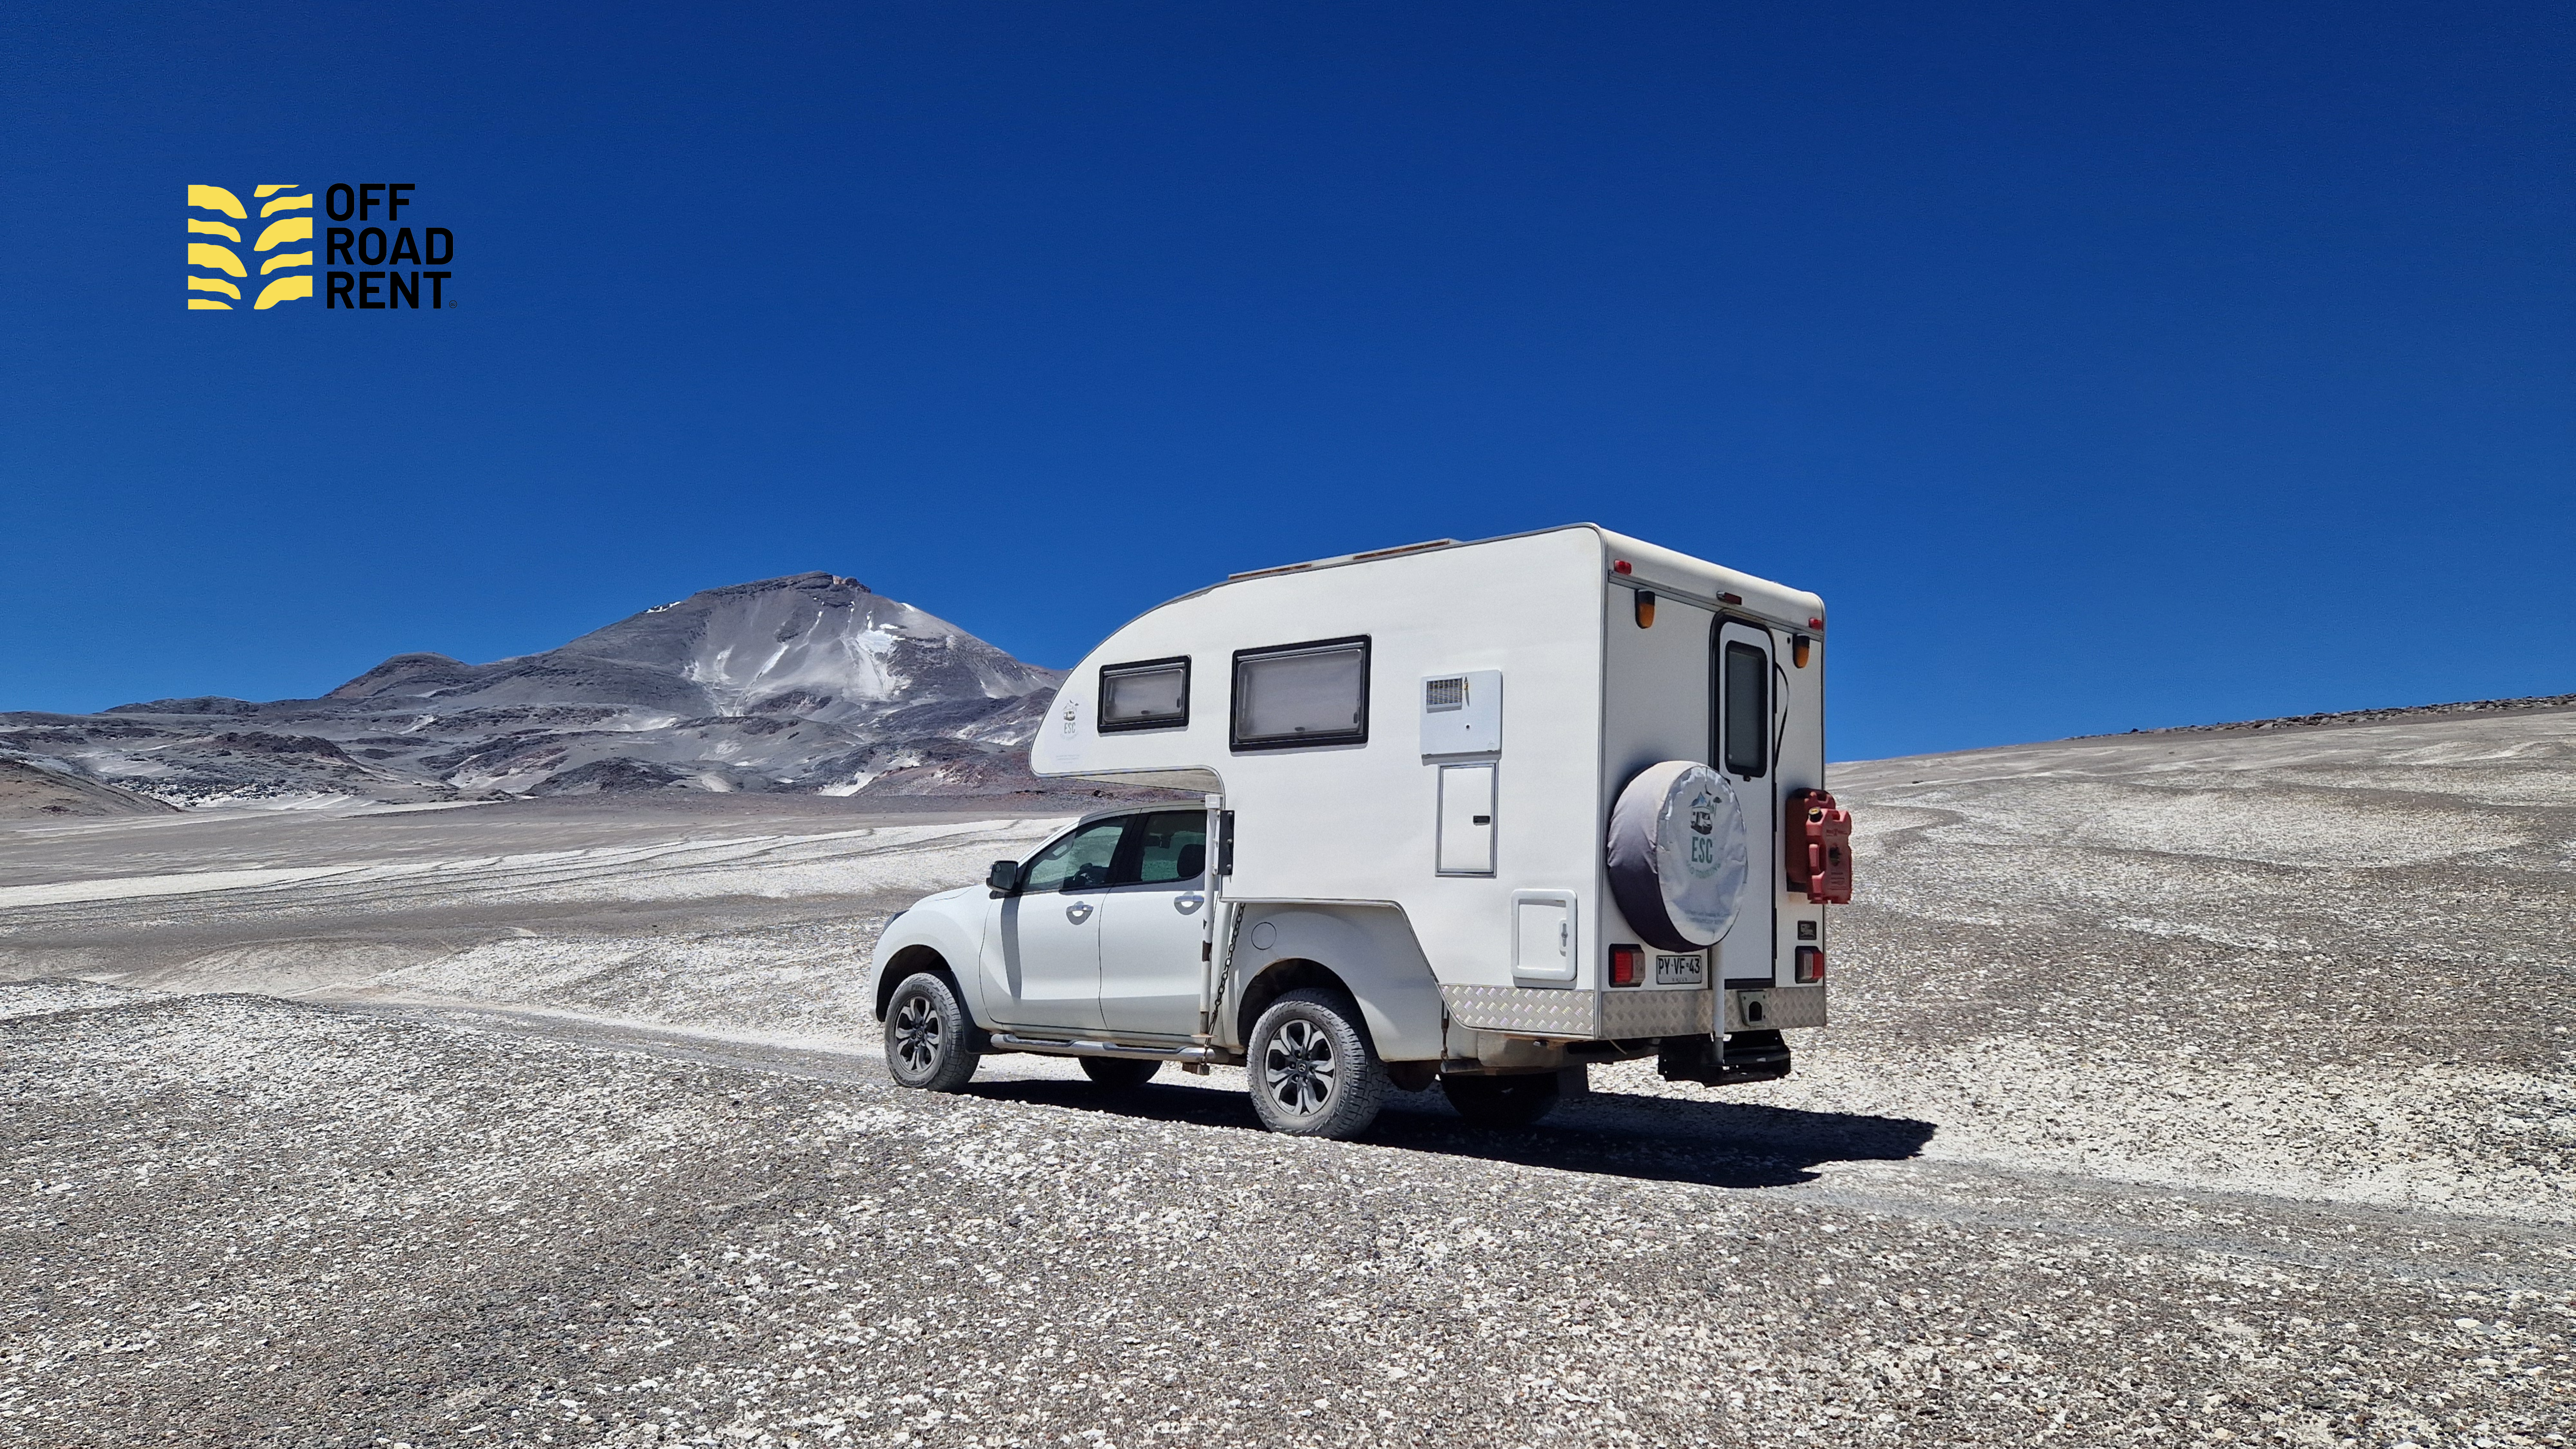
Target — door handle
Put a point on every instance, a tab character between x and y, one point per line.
1188	903
1078	912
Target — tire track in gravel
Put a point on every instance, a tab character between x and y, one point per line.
1862	1164
297	1223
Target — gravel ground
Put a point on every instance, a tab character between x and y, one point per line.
736	914
2334	964
2182	1089
235	1220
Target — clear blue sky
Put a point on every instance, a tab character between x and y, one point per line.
2102	366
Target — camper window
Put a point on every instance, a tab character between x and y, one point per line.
1748	710
1153	694
1301	694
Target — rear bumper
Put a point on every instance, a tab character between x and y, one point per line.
1629	1014
1777	1008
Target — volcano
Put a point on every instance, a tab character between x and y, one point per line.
809	683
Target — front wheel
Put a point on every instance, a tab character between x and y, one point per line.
929	1042
1313	1071
1502	1101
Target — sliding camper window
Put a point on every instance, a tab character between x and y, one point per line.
1748	710
1152	694
1302	694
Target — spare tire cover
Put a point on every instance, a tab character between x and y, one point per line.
1678	857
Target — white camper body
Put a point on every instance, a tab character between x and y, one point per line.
1410	760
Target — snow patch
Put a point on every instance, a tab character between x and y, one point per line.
136	887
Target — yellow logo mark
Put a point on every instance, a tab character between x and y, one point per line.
294	228
215	198
206	256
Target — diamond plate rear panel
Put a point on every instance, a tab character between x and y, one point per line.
1520	1009
1781	1007
1626	1015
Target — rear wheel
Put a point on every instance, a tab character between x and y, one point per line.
1502	1101
1313	1071
929	1042
1119	1073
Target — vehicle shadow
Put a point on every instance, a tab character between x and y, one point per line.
1656	1139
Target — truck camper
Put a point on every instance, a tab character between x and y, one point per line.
1474	814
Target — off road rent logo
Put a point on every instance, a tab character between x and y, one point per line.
220	270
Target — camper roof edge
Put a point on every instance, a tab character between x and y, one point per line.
1670	571
1650	566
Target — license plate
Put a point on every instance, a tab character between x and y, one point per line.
1681	970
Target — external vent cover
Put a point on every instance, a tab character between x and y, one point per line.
1462	713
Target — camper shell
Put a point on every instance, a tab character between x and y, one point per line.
1408	762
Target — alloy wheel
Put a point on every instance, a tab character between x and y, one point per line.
1300	1068
919	1034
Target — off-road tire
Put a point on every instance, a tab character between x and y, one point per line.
930	1043
1313	1070
1119	1074
1514	1101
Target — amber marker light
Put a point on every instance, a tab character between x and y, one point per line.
1645	609
1798	649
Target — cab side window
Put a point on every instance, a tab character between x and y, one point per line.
1169	848
1079	862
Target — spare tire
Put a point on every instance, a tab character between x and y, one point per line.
1678	858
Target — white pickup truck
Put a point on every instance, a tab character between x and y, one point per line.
1472	813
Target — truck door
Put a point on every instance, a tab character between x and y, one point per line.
1152	926
1042	963
1747	724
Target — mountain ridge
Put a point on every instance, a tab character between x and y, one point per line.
810	683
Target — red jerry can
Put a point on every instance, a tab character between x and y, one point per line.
1818	850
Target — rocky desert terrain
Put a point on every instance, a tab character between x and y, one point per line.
807	684
2183	1088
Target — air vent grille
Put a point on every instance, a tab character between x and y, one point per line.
1441	696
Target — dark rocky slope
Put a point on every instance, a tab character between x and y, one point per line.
809	683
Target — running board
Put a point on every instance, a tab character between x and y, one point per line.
1008	1042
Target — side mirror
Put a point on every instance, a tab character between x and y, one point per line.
1003	878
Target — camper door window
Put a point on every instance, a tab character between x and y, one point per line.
1314	693
1748	710
1152	694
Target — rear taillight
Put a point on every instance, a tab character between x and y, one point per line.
1811	965
1627	965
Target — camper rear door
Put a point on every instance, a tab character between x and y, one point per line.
1748	724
